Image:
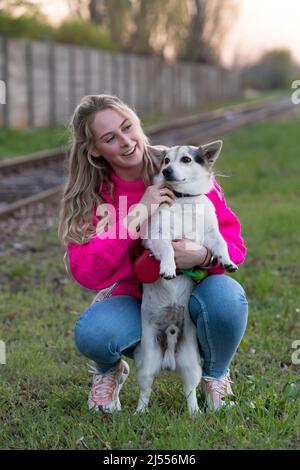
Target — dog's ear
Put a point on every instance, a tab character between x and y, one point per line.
210	152
158	152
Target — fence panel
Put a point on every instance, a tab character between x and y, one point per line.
45	81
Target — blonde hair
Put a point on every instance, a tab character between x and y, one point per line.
86	174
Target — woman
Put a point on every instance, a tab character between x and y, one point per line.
111	162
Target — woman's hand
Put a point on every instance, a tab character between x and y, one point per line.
139	213
188	254
156	195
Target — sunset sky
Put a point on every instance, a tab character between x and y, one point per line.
261	25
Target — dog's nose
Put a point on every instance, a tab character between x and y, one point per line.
167	172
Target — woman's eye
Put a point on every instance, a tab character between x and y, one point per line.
110	140
127	127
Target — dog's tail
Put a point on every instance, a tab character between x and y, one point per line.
168	361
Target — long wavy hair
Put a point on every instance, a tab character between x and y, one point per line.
86	174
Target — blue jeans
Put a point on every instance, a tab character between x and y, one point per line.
218	307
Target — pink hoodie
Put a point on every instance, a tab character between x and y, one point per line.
102	262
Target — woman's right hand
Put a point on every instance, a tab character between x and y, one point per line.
156	195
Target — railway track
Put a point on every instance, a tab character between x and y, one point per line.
32	179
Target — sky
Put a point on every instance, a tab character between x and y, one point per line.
261	25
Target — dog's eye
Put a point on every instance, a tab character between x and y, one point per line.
167	160
186	159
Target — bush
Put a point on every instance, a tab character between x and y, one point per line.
274	70
83	33
25	26
71	31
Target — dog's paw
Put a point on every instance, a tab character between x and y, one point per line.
141	410
195	412
227	264
168	277
168	270
231	267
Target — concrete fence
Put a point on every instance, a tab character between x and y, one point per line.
44	81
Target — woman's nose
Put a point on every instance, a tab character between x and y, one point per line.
125	140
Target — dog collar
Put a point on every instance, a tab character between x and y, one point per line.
185	195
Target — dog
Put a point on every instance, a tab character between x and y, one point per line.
169	339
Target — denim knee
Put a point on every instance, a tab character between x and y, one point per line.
221	296
219	308
96	345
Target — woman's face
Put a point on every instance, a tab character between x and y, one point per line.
119	141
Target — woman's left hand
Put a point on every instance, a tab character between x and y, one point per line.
188	254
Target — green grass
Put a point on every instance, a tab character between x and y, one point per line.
14	142
44	385
23	142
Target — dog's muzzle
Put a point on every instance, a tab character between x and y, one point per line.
168	174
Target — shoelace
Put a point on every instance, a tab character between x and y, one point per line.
220	386
103	384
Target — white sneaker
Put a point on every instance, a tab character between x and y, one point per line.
104	394
218	392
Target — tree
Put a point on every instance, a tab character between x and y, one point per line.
159	26
145	21
116	16
113	15
19	7
209	22
186	29
139	26
97	11
79	9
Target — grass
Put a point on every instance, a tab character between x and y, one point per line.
45	382
20	142
15	142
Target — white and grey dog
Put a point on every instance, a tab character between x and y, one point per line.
169	339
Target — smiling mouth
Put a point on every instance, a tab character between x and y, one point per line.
130	153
